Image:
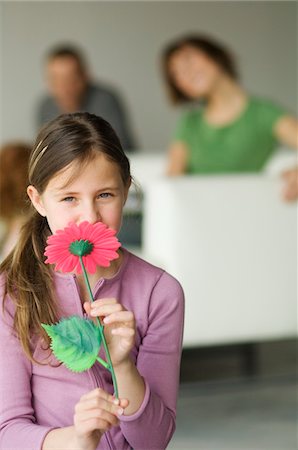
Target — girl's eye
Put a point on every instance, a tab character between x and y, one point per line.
105	195
68	199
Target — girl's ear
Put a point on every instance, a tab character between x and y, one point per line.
36	200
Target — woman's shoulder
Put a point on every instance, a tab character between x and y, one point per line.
263	104
265	112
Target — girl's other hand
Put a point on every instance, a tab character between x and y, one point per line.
119	327
95	413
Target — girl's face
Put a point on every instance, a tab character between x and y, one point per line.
96	194
193	72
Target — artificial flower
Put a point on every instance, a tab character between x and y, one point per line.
76	341
95	243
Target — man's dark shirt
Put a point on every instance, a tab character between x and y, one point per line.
98	100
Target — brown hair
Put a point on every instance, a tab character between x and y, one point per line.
29	282
215	51
14	159
68	51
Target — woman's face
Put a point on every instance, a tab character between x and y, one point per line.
96	194
193	72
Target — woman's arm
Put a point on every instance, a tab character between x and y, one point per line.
177	159
286	131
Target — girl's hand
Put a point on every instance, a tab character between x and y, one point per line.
95	413
119	327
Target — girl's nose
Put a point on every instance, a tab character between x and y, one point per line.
91	214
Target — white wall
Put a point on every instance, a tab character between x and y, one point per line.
123	41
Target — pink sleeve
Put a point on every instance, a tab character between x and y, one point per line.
18	430
159	363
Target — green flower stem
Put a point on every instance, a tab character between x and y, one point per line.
109	366
105	364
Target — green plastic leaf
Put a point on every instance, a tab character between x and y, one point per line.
75	342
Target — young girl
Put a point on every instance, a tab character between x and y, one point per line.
78	171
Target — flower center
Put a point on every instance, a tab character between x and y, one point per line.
81	247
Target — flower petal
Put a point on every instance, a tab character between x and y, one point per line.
105	246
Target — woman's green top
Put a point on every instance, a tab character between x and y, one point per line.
244	145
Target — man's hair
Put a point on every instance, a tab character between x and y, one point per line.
68	51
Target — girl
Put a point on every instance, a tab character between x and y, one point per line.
233	131
78	171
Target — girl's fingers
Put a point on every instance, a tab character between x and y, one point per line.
104	310
99	399
104	301
97	392
87	307
124	402
111	310
98	410
99	303
98	413
88	426
124	332
122	316
95	403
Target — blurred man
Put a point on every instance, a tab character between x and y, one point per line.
71	89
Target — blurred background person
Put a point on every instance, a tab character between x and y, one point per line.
70	89
226	130
14	158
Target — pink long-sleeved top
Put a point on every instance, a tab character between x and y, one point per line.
35	399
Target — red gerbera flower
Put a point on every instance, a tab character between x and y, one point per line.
96	244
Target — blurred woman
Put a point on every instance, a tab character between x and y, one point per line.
231	130
14	158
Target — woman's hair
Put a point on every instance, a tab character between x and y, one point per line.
14	159
215	51
69	138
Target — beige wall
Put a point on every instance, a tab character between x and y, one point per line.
123	41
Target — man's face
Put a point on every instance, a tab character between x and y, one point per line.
66	82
